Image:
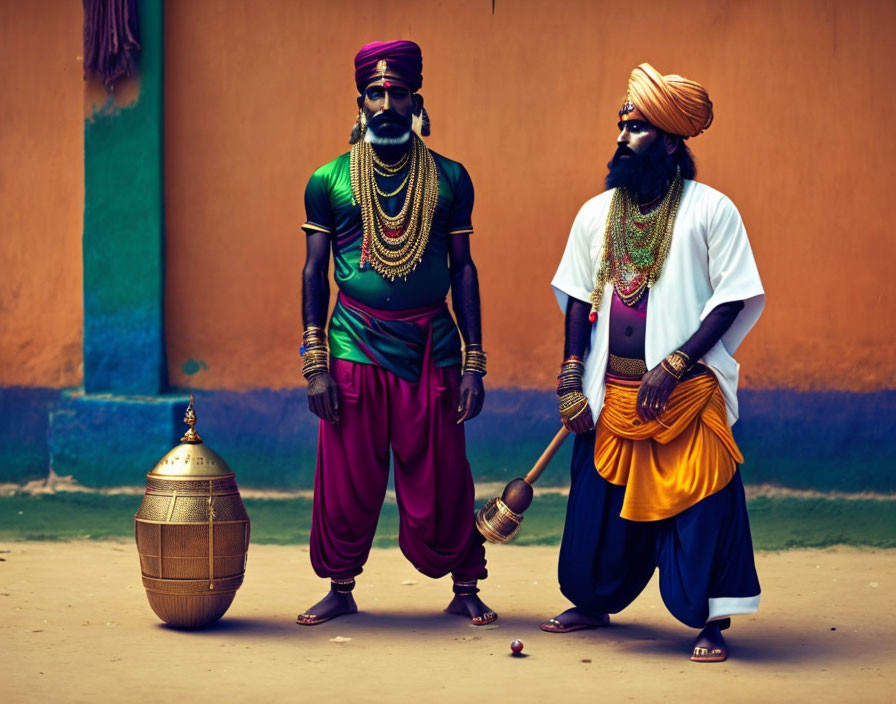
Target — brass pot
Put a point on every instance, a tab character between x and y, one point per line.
192	534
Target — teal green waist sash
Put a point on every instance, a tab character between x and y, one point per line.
399	341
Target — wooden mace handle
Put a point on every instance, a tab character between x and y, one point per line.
546	456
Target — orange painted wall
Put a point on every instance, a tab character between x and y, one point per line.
41	193
259	94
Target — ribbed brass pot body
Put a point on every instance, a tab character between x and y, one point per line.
192	534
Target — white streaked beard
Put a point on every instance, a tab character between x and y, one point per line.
372	137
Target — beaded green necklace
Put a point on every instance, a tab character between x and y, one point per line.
635	245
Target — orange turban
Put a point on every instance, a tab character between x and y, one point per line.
671	103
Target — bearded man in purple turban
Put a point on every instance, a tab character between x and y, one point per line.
391	374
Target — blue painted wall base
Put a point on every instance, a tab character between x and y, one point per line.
24	426
829	440
824	440
109	440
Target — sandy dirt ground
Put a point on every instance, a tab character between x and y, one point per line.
76	627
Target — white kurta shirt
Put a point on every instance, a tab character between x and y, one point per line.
709	262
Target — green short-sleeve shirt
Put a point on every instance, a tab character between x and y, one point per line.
330	208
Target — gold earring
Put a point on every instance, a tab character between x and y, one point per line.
359	128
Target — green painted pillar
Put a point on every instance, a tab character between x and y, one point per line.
113	430
124	230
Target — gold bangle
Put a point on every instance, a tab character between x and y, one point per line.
570	377
571	404
474	360
679	360
573	411
580	411
676	364
315	360
664	365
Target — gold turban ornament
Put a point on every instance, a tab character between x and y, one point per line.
672	103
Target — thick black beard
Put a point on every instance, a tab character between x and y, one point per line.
648	174
389	125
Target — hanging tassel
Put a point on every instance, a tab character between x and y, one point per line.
111	40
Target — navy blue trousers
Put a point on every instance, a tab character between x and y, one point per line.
702	553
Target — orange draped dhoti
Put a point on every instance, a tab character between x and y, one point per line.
665	495
670	464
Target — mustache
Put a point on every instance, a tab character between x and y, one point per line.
622	150
384	117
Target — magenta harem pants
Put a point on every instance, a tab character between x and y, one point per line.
433	483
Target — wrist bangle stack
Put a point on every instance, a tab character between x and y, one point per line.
676	364
315	352
569	388
474	359
570	376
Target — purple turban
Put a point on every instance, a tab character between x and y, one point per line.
403	61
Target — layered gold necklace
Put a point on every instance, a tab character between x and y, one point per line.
635	245
393	245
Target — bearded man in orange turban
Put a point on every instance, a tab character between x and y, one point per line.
659	287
